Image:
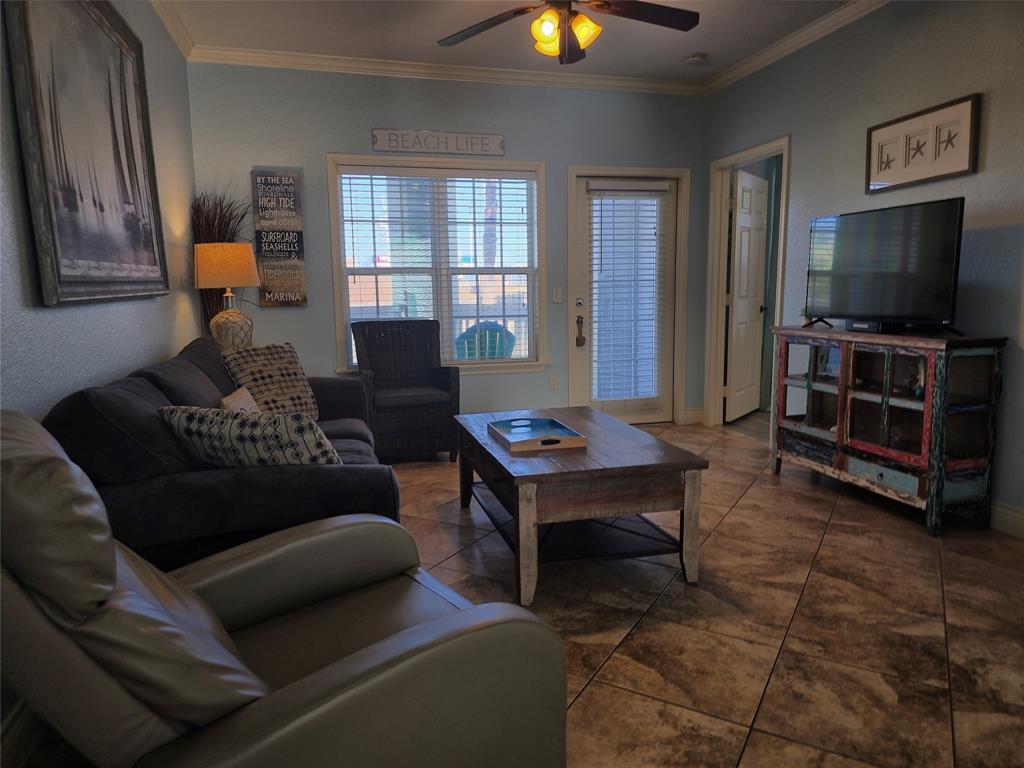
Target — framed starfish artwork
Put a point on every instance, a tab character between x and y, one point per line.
935	143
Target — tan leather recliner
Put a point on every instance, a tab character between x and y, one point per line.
321	645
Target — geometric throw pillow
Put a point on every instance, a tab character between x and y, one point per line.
240	400
237	439
274	376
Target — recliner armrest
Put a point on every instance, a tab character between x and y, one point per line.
299	566
341	397
448	692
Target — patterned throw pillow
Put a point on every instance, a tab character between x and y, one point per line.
237	439
274	376
240	400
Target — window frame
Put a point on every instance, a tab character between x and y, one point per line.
345	163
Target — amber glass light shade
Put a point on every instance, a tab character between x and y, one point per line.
585	29
545	31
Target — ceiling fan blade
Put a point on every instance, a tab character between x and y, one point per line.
486	24
652	13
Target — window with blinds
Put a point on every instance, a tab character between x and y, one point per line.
453	245
632	234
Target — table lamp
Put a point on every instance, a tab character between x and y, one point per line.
227	265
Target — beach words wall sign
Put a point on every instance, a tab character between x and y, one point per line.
441	142
277	221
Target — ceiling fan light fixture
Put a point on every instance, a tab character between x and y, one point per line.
545	28
585	29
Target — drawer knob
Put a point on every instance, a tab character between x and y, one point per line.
881	476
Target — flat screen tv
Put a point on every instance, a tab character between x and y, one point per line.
894	265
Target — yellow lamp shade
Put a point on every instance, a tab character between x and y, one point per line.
548	49
585	29
225	265
545	31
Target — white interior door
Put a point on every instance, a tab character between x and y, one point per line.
621	297
746	295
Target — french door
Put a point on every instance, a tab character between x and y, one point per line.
622	297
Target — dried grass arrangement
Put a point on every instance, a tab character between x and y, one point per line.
216	218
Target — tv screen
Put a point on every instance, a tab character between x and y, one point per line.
895	264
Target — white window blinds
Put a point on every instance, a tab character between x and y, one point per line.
632	234
447	245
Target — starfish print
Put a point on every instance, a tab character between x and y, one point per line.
918	149
947	143
887	163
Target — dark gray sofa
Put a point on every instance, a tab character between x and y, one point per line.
173	510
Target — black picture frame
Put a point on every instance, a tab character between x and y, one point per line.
972	167
101	239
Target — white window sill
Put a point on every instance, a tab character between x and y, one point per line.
528	366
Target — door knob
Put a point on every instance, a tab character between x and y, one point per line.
763	309
580	338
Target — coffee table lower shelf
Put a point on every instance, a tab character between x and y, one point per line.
597	539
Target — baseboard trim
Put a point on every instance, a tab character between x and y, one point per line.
19	735
1008	519
692	416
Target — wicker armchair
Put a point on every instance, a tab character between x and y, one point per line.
413	398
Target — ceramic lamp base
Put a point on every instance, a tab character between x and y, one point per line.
232	328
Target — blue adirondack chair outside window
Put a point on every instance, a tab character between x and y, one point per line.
485	341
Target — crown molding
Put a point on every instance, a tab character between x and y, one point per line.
175	27
205	54
817	29
424	71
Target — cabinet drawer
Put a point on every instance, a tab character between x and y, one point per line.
807	447
904	482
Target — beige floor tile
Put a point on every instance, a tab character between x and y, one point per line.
715	674
439	541
985	738
612	728
476	589
746	610
627	583
452	512
589	631
573	685
766	751
877	718
840	620
784	527
488	556
726	558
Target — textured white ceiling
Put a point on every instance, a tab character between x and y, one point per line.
408	30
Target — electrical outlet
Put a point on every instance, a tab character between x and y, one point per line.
556	295
552	382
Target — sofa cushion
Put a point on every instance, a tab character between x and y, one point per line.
222	438
274	376
182	383
54	533
205	354
391	398
347	429
115	433
355	451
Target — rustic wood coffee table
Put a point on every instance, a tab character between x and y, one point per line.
597	492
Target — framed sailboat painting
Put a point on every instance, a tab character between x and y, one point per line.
80	91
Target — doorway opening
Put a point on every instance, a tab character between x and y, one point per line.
746	259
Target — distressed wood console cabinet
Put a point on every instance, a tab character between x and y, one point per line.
908	417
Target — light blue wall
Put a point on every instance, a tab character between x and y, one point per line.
902	58
244	116
49	352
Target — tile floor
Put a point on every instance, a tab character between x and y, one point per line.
827	628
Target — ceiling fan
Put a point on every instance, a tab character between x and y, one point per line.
564	32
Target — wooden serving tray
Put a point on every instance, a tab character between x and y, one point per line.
535	435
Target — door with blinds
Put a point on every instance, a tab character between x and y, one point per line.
622	278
